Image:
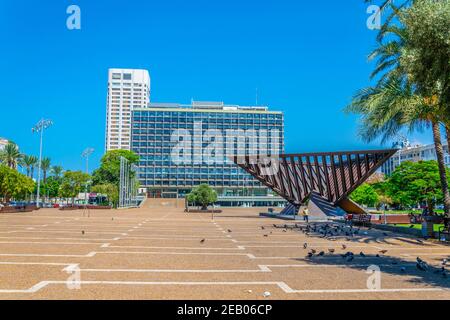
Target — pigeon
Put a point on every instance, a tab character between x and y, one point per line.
385	234
310	254
82	232
112	219
266	294
411	226
331	250
262	228
362	254
284	230
383	251
377	255
202	241
321	253
350	258
266	235
444	262
313	251
344	247
305	245
421	267
403	269
229	231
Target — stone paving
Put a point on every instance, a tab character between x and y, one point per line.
157	252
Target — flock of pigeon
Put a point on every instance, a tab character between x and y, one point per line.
333	231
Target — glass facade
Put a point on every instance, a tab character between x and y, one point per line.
207	137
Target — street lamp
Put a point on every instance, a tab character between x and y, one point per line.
85	154
40	127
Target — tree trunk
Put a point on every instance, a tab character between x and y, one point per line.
430	204
441	163
447	133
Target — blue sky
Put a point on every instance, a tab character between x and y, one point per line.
307	58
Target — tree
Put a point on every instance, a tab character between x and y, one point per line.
110	190
203	195
402	98
412	183
51	187
14	184
109	171
366	195
73	182
10	155
33	166
29	162
45	167
57	171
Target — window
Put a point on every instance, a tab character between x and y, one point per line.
127	76
116	76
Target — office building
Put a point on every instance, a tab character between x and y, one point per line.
413	153
128	89
183	146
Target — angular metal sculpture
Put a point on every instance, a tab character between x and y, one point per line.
330	175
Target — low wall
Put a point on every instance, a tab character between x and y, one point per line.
202	211
28	208
80	207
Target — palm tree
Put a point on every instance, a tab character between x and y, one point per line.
11	155
57	171
45	166
33	163
398	100
29	162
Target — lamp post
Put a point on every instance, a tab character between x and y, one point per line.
86	153
40	127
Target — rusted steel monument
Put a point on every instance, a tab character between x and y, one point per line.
324	180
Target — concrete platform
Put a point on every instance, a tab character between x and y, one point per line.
156	252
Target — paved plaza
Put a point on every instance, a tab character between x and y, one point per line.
160	252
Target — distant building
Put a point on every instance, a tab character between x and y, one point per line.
153	140
413	153
3	143
128	89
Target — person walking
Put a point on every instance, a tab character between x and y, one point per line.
305	214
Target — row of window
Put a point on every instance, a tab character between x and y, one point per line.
150	183
205	115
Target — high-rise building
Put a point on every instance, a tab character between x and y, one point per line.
183	146
128	89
